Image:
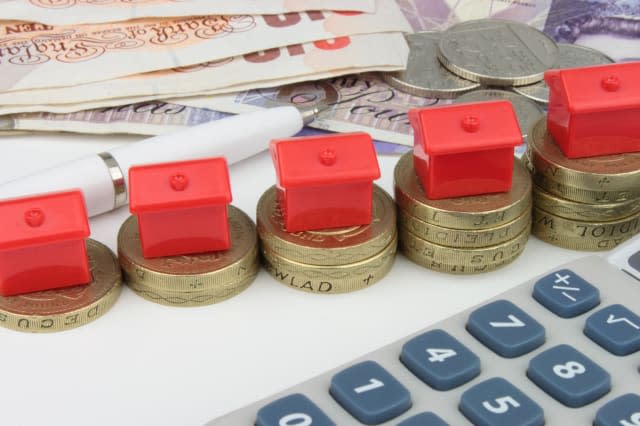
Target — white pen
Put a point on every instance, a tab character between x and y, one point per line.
103	178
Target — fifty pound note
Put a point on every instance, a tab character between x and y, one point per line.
273	67
147	118
65	12
357	103
37	56
441	14
610	26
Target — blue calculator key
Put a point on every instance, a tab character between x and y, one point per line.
622	411
634	261
496	402
423	419
505	329
566	294
440	360
616	329
369	393
569	376
295	409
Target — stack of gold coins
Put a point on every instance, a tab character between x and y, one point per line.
66	308
328	261
463	235
588	203
193	279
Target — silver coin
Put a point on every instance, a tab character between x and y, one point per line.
496	52
425	76
571	56
527	112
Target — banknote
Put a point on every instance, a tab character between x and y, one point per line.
149	118
440	14
612	26
65	12
271	67
364	103
37	56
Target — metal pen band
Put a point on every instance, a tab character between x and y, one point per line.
117	177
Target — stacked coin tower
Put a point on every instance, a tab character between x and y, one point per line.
465	208
325	228
185	245
52	278
587	172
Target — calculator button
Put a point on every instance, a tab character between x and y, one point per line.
569	376
291	410
622	411
634	261
566	294
616	329
423	419
369	393
505	329
440	360
496	402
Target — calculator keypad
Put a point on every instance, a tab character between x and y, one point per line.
616	329
565	293
496	402
294	409
453	377
622	411
440	360
569	376
423	419
370	393
506	329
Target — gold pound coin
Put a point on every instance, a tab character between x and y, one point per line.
212	273
573	210
602	179
578	235
327	247
67	308
331	279
580	195
460	261
465	238
192	298
474	212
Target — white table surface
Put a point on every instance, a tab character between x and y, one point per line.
148	364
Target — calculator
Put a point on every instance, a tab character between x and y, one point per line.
560	349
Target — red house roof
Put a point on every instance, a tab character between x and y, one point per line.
184	184
455	129
43	219
322	160
597	88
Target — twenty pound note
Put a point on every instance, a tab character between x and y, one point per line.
65	12
273	67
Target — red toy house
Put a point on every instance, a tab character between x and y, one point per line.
325	181
181	206
465	149
594	110
42	243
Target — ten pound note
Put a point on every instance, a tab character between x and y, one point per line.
38	56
